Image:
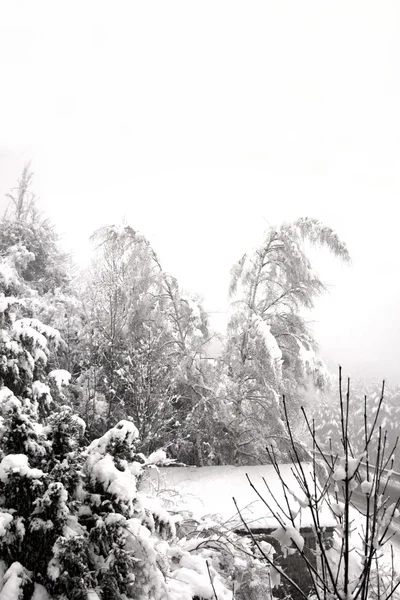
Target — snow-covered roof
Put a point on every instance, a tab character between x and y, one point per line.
209	490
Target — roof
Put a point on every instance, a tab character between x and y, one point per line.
209	490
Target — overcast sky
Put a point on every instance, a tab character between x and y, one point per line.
203	122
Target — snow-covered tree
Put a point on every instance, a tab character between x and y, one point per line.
49	271
366	399
142	345
270	350
188	333
124	367
25	447
74	523
24	224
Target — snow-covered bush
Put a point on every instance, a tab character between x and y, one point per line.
216	554
73	524
83	525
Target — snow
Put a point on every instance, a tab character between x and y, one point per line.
275	578
18	463
337	508
7	301
36	331
196	584
4	336
160	513
121	484
287	537
39	354
193	306
267	548
102	407
307	357
8	402
22	329
123	431
114	519
61	377
5	520
366	487
191	579
40	593
53	569
158	456
339	473
275	353
118	230
301	499
17	255
13	578
80	423
209	491
8	274
55	488
5	394
40	389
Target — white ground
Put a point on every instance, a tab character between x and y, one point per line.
210	490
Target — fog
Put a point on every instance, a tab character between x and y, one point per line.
202	124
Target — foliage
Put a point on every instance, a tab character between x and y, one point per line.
47	275
73	523
386	406
354	489
23	224
135	343
141	345
269	348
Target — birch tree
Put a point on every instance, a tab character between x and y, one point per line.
270	349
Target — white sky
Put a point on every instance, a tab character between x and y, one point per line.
202	122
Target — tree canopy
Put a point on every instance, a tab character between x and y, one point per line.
135	342
269	349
